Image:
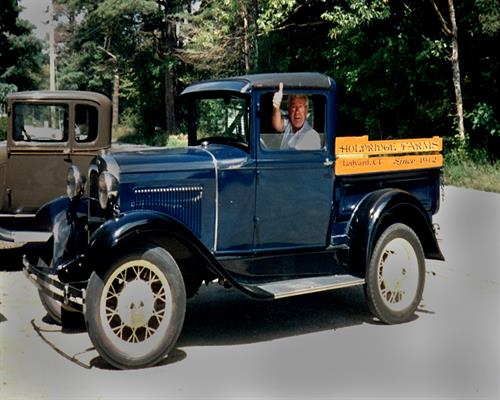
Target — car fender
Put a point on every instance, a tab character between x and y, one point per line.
376	211
138	226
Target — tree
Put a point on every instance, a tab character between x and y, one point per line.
451	30
21	57
221	38
126	47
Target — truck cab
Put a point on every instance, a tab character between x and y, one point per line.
141	231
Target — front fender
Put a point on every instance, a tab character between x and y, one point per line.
136	226
133	225
379	209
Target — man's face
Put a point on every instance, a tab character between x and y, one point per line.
297	112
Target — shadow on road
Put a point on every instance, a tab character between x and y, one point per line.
11	258
221	317
225	317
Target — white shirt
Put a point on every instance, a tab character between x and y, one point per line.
306	138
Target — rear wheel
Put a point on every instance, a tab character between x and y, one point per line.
396	275
135	311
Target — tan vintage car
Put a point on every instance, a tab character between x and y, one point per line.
47	132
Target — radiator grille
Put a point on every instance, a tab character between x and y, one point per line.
183	203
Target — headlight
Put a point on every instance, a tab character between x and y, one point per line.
75	182
108	189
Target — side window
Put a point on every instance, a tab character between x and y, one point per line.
86	118
40	122
302	126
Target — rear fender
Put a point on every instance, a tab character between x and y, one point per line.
380	209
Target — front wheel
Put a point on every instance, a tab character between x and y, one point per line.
135	311
396	275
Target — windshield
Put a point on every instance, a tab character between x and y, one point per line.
222	120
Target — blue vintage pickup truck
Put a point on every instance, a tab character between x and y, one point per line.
139	232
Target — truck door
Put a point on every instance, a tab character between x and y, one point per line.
294	189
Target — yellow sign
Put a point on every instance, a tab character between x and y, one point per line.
361	145
358	155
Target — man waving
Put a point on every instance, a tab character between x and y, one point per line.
298	134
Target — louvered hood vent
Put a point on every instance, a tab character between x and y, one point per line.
181	202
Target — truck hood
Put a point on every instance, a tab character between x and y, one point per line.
156	160
182	183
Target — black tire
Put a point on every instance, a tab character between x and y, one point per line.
395	276
135	311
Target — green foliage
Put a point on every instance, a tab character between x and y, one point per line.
390	59
489	16
215	39
21	57
482	117
5	90
3	127
355	15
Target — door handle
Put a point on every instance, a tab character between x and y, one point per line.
67	153
328	162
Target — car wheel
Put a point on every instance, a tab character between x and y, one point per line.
396	275
135	311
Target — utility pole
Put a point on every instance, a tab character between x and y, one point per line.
52	49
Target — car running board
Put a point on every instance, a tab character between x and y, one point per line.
296	287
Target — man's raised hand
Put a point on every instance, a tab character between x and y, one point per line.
278	96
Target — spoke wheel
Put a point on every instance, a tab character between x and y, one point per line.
396	275
136	311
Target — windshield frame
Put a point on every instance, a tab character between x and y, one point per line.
193	119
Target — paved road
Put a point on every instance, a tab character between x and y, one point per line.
319	346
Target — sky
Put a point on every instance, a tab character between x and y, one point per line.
34	11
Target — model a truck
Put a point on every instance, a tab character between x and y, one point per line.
142	230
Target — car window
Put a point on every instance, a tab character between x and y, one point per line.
85	123
40	122
222	120
315	121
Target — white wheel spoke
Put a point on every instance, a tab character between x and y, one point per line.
133	307
397	278
119	330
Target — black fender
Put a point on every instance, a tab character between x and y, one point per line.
41	223
376	211
140	225
67	221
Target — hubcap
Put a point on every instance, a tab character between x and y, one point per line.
136	307
397	274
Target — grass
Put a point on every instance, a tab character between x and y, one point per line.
473	172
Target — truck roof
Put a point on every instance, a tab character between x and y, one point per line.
245	83
60	95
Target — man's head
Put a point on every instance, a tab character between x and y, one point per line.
298	106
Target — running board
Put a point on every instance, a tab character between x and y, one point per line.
296	287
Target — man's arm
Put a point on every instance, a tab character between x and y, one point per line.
276	118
